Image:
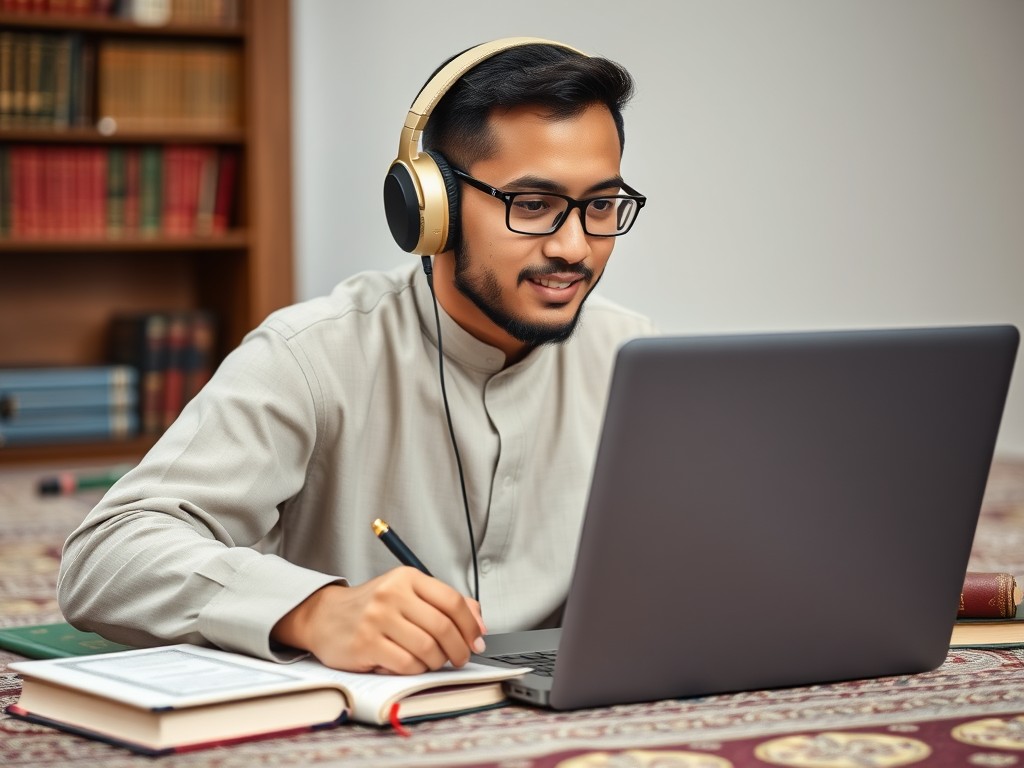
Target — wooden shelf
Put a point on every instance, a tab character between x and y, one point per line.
232	241
59	295
93	136
115	26
131	450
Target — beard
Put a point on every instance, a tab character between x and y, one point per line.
485	292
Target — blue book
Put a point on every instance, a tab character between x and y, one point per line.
15	403
18	379
70	429
69	415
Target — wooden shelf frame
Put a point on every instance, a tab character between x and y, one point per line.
58	294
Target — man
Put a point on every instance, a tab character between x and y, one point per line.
248	525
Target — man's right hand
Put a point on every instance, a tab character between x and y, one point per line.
402	622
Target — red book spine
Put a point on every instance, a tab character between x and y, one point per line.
989	596
190	198
174	375
17	200
33	191
64	204
100	172
52	215
224	204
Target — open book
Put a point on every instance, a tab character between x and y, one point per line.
178	697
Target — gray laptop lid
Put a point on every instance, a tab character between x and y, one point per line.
780	509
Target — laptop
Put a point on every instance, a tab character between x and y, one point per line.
774	510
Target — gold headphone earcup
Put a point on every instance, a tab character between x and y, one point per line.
426	230
451	194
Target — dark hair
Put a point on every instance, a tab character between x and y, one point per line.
559	80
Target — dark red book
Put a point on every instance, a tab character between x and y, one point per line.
199	353
174	374
227	181
989	596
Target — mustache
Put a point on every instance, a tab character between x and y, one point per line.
533	273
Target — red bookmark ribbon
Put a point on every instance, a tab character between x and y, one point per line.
400	729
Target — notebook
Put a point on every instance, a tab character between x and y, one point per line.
775	510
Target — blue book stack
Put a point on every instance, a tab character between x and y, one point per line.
68	404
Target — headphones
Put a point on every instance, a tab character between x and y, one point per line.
421	194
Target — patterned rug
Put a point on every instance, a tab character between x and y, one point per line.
970	711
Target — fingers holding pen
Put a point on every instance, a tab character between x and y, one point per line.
402	622
439	598
417	623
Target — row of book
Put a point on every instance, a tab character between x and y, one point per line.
173	353
46	80
159	361
41	405
117	191
200	12
173	86
58	80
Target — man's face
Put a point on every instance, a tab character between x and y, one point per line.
516	290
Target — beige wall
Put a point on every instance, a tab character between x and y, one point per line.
809	163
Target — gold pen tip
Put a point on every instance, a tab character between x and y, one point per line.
379	526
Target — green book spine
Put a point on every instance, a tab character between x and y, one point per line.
54	641
150	188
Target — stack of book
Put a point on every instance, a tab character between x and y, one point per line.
173	353
117	191
66	404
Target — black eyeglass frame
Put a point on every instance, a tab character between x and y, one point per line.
581	205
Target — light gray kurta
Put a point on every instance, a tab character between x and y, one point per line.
327	416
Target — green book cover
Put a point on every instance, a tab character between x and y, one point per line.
54	641
150	190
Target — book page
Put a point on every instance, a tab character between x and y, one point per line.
373	694
178	673
170	677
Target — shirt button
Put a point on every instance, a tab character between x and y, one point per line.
508	481
485	566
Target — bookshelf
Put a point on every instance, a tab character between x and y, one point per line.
58	293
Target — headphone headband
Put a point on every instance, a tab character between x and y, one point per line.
420	192
439	84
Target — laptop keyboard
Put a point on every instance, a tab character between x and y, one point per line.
543	662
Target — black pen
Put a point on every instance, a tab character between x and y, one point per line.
398	548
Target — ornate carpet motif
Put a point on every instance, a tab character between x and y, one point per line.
970	711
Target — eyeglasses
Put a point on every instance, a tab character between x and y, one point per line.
542	213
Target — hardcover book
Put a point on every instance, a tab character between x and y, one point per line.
988	633
183	697
988	615
55	641
989	596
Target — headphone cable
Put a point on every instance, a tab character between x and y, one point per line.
429	271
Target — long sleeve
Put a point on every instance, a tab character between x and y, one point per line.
169	553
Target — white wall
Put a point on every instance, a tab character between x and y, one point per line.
809	163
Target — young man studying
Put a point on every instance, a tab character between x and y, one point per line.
248	525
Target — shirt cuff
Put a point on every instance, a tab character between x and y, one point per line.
242	615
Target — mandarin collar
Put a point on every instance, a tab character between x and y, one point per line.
459	344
